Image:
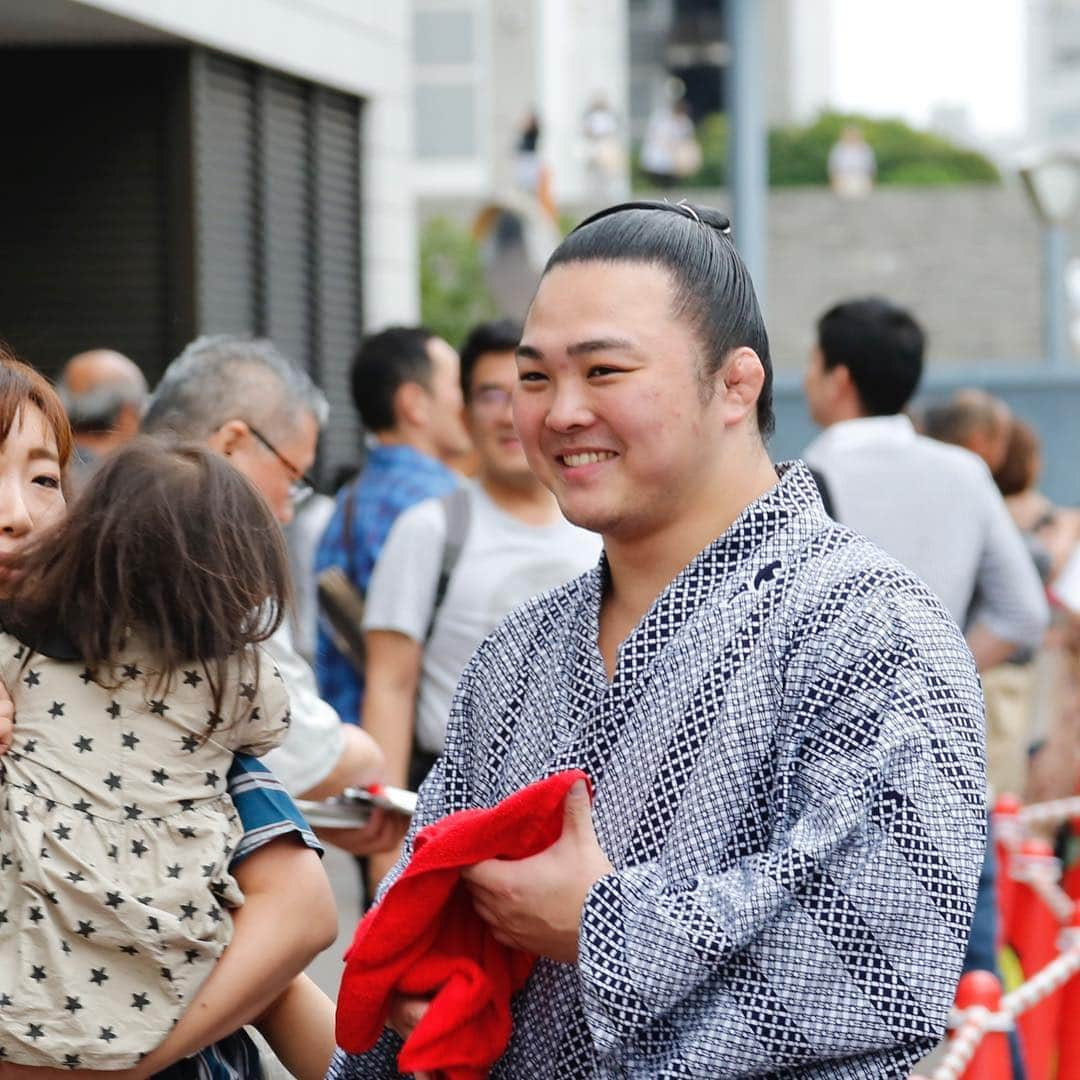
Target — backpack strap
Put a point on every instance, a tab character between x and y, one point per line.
456	508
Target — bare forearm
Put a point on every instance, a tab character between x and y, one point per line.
299	1026
360	764
388	719
988	649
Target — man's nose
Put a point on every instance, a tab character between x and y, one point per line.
570	408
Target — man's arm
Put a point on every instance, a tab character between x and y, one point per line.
868	880
393	680
1012	610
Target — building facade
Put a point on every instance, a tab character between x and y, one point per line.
190	167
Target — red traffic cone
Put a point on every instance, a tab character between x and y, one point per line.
1069	1020
991	1060
1033	934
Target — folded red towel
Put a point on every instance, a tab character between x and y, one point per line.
425	938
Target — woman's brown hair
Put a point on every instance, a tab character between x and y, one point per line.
1020	468
169	544
21	385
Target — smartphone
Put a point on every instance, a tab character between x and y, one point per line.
353	807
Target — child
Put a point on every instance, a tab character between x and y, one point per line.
131	655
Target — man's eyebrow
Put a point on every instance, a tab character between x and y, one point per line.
580	348
40	452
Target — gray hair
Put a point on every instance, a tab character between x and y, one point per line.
231	377
99	409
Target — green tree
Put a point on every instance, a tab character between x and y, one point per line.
799	155
453	293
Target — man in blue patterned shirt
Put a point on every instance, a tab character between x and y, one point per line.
783	727
406	387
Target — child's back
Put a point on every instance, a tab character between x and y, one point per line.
115	826
115	838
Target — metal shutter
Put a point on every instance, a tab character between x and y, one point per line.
278	212
338	319
84	203
226	203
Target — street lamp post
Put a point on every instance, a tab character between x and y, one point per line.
1052	182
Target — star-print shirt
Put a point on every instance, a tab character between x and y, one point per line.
116	835
790	784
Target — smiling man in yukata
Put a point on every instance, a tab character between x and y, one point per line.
783	726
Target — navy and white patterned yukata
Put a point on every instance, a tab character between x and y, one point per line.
790	783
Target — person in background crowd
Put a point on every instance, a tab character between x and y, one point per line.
975	420
303	533
852	165
288	914
778	720
934	508
406	387
1055	529
244	399
514	544
1052	702
105	394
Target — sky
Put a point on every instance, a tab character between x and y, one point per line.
902	57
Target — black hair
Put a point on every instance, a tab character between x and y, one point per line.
880	344
384	362
711	285
496	336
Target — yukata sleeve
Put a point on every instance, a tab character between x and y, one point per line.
261	701
445	791
842	936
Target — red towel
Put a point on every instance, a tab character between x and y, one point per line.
425	938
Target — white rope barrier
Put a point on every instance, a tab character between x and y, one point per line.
1050	813
1042	873
973	1023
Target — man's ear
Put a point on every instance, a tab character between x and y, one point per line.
412	405
742	377
229	437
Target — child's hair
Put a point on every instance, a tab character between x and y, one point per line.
167	543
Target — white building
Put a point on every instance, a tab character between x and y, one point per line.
1053	71
482	66
195	166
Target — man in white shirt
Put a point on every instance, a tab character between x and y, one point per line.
247	401
516	544
934	507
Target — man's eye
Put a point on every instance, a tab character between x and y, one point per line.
47	481
600	370
531	376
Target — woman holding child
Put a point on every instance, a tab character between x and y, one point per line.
130	645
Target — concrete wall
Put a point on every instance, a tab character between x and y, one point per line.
359	46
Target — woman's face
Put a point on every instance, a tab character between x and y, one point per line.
30	495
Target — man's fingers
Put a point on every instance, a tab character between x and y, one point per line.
406	1013
489	874
577	812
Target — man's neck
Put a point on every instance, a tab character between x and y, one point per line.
415	439
642	567
524	498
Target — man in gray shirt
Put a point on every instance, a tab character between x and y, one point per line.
934	507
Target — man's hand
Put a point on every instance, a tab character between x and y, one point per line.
405	1014
383	831
7	719
535	904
